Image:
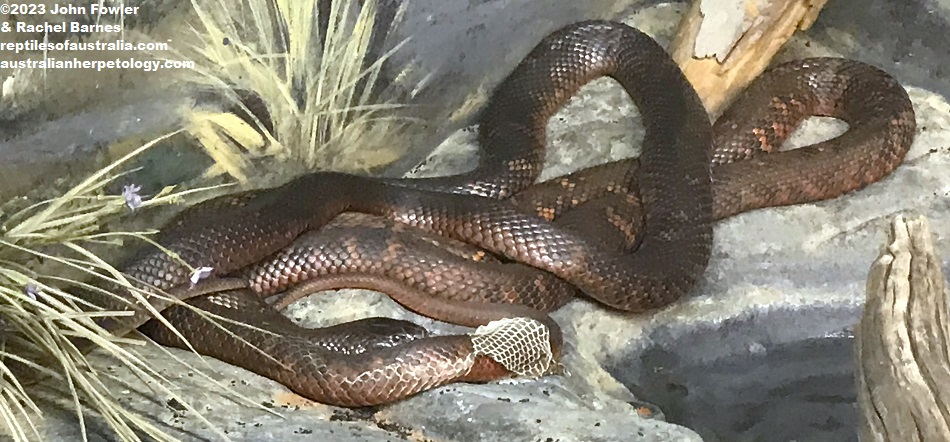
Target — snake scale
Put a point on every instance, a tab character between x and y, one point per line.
662	205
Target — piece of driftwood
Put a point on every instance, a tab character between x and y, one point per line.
901	344
754	31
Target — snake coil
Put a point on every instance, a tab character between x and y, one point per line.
688	175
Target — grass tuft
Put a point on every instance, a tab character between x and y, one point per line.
50	245
315	88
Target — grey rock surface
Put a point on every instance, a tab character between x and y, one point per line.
459	50
912	36
796	261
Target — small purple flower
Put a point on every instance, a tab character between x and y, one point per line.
132	197
32	291
200	273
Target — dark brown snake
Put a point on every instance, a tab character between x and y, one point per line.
663	205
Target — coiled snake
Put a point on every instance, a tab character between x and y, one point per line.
662	205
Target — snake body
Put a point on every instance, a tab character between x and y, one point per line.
663	205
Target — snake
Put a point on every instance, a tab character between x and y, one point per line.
648	246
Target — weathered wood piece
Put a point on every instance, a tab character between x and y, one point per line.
722	45
901	343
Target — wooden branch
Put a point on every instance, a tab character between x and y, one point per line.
763	29
901	343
